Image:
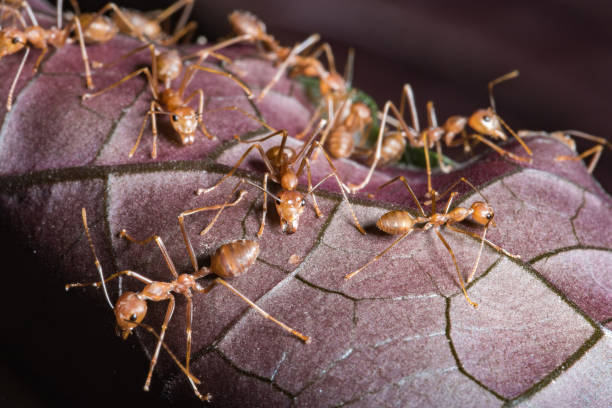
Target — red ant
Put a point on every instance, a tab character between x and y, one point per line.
13	40
167	66
403	223
249	28
228	261
280	161
390	146
144	26
564	136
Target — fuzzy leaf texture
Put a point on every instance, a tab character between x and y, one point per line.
400	333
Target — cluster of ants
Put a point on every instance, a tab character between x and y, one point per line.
341	125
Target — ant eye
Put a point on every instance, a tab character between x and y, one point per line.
489	216
486	118
133	317
303	203
175	118
16	40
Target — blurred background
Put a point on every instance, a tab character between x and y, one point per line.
448	51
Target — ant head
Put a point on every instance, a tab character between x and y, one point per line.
485	121
129	311
243	22
185	121
169	65
482	213
11	41
289	209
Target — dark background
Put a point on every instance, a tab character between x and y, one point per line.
448	51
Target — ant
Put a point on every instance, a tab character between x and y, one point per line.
249	28
403	223
564	136
280	161
228	261
13	40
130	310
167	66
390	145
144	26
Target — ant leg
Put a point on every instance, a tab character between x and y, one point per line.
353	188
153	112
9	100
403	180
265	205
499	150
173	8
475	305
44	52
285	64
97	284
134	32
162	334
186	33
513	133
595	151
335	118
181	220
318	212
456	183
505	77
262	312
96	261
160	243
192	379
489	243
84	55
408	95
128	54
377	257
248	115
144	70
191	71
441	164
349	67
203	54
341	185
315	116
233	170
75	7
326	48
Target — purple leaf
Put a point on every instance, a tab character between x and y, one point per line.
399	333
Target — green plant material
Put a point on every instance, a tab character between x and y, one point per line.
412	156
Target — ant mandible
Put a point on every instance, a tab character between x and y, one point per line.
13	40
167	66
403	223
390	145
280	161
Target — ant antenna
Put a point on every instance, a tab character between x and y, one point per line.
503	78
93	251
262	189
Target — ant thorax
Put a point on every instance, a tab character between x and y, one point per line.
143	22
290	207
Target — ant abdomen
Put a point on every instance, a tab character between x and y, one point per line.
396	222
340	143
234	258
391	150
